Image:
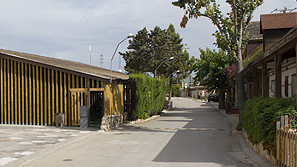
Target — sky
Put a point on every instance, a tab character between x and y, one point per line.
65	29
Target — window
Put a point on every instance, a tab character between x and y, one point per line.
286	86
293	85
272	88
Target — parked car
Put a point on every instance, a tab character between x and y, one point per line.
213	97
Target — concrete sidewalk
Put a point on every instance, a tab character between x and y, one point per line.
255	157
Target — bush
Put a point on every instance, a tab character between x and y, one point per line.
150	96
175	90
260	115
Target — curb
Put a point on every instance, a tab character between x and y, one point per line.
257	159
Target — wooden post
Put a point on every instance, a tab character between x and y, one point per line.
5	90
45	82
255	79
1	90
65	98
49	100
34	92
57	92
265	80
28	112
41	96
278	75
8	91
89	100
15	89
19	94
37	97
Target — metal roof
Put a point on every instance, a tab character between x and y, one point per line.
66	65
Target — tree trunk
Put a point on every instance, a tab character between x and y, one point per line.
240	87
221	97
170	88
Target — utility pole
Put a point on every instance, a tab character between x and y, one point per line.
90	53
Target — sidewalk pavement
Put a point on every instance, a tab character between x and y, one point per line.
254	156
19	142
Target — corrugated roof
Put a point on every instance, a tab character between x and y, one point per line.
279	20
68	65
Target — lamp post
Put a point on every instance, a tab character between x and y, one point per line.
129	36
161	64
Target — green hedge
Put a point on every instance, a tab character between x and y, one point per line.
150	95
260	115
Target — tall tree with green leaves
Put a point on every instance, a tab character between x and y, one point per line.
231	29
151	50
210	71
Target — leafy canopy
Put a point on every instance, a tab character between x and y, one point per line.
148	50
211	68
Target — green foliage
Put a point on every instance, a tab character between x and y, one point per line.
258	51
150	95
211	68
149	49
260	115
175	90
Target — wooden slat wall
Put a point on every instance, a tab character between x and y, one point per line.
31	94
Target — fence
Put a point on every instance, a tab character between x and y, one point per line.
286	144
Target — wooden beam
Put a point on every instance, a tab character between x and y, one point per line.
265	80
89	100
24	120
12	108
278	76
73	101
85	90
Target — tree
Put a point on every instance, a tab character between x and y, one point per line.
230	35
210	71
148	50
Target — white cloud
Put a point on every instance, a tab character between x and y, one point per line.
64	29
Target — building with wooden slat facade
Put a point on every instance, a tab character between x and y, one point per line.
33	88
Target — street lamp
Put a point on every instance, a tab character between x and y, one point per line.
129	36
161	64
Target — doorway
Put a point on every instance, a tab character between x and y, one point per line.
96	108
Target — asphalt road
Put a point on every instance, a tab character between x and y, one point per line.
192	134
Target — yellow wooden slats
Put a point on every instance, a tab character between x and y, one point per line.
15	90
49	96
5	89
30	89
1	90
34	91
57	92
8	91
69	99
19	95
45	96
37	96
41	95
65	98
61	93
53	97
